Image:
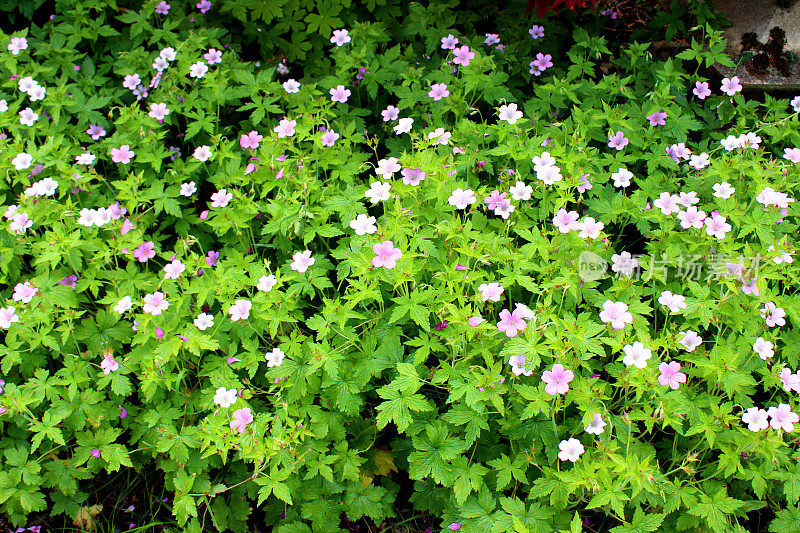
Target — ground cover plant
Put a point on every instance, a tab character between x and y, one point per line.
402	271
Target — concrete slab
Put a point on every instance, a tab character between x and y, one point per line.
760	17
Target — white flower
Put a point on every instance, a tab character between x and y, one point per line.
517	363
188	188
266	283
622	177
571	450
168	53
763	348
387	167
597	425
624	263
403	125
363	224
636	354
198	70
509	113
27	117
520	191
22	161
723	190
202	153
340	37
224	397
291	86
275	357
461	199
440	135
378	192
123	305
204	321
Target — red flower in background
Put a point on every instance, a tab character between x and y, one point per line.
543	6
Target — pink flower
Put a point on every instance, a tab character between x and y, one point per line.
251	140
24	292
285	128
96	131
536	31
764	348
328	138
557	379
566	221
203	6
509	113
490	291
240	310
449	42
616	314
455	526
212	257
158	111
213	56
636	354
339	94
671	375
675	302
496	199
241	417
412	176
590	228
155	303
301	261
692	218
174	269
438	91
690	340
717	226
162	8
123	154
221	198
8	316
541	63
701	90
95	453
126	227
144	251
731	86
782	417
390	113
773	315
511	323
340	37
386	255
475	321
570	450
659	118
517	363
617	140
109	364
463	56
756	419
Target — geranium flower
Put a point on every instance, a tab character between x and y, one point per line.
275	357
731	86
27	117
795	103
438	91
782	417
202	153
491	291
675	302
622	178
541	63
387	167
701	90
203	6
763	348
213	56
517	363
536	31
162	8
155	303
590	228
301	261
123	154
636	354
557	379
363	224
773	315
340	37
756	419
378	192
403	125
204	321
690	340
616	314
251	140
224	397
475	321
109	364
717	226
699	162
390	113
413	176
566	221
96	131
8	316
692	218
241	418
509	113
16	45
624	263
617	140
266	283
597	425
123	305
781	256
449	42
463	56
386	255
188	189
461	199
658	118
211	258
240	310
144	251
221	198
511	323
174	269
792	154
339	94
520	191
671	375
291	86
571	450
198	70
20	222
328	138
24	292
285	128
